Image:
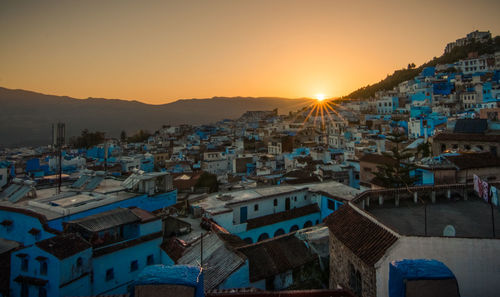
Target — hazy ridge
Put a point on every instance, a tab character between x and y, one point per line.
26	117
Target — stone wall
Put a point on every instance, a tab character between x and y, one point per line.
340	258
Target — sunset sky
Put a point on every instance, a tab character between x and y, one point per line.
161	51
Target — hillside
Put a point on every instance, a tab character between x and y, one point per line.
26	117
405	74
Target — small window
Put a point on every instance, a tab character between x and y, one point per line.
150	260
275	202
331	204
134	265
42	292
79	262
110	274
43	268
24	264
256	207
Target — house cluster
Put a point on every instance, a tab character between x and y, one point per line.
329	196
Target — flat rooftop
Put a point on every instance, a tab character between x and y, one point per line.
216	203
54	206
470	218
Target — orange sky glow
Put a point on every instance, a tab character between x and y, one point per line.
160	51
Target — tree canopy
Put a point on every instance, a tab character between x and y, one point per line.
87	139
397	174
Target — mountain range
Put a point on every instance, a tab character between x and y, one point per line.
26	117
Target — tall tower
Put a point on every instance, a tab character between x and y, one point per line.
58	141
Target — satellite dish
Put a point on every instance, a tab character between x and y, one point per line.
449	231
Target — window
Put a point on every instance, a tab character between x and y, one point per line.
355	280
24	290
275	202
134	265
43	268
256	207
24	264
150	260
330	204
110	274
42	292
79	262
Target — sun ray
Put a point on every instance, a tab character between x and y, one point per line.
322	118
309	114
341	117
316	115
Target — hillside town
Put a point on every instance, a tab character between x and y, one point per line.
336	197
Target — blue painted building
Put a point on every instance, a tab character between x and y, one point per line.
258	214
98	254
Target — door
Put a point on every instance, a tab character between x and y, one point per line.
243	214
287	204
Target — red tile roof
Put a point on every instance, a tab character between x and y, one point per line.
144	215
365	238
174	248
64	246
277	255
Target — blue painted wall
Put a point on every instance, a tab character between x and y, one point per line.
21	224
238	279
325	210
285	225
64	276
120	262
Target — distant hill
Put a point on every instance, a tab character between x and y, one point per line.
399	76
26	117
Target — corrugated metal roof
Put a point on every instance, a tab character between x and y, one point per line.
107	220
218	261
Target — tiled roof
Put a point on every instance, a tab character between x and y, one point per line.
474	160
144	215
282	216
64	246
366	239
276	255
467	137
174	248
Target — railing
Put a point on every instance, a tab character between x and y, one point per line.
393	192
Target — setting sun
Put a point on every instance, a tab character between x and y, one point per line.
320	97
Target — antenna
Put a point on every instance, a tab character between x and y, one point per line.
58	141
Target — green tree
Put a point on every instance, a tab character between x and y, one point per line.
209	181
396	174
123	136
424	149
140	136
87	139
